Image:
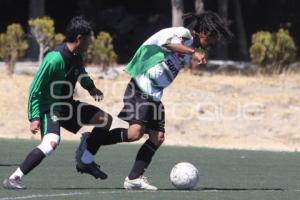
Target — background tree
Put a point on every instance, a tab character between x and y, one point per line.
177	12
199	6
36	8
241	32
56	40
222	48
43	31
272	52
12	46
101	51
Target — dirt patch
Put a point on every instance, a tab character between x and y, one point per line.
207	111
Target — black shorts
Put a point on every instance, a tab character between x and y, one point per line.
140	108
73	116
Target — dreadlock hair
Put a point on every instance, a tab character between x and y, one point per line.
208	22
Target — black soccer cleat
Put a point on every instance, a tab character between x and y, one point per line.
92	169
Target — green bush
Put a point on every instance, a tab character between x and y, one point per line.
12	46
43	31
56	40
101	50
272	52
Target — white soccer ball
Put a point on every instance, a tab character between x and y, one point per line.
184	176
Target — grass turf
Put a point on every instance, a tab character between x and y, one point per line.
225	174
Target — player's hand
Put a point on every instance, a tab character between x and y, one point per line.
97	94
35	126
200	58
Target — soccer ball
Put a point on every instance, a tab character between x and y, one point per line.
184	176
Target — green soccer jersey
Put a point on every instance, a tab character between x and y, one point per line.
55	81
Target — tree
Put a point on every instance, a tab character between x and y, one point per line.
222	48
177	12
199	6
101	51
36	8
42	30
56	40
241	32
273	52
12	46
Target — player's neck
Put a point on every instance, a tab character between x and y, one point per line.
73	48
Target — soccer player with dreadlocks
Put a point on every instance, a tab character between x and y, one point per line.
154	66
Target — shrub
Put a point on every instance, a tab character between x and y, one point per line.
285	48
101	51
272	52
57	39
43	31
12	46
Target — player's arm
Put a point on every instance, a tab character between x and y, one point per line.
39	82
175	42
182	49
87	83
85	80
40	85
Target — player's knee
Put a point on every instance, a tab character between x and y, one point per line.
135	132
49	143
161	139
157	139
102	119
134	135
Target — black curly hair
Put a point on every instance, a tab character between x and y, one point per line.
208	22
77	26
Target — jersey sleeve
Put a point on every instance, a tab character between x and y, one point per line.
174	36
41	84
85	81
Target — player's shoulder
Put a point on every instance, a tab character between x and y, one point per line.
179	31
175	29
53	60
54	57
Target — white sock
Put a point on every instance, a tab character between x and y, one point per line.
87	157
18	173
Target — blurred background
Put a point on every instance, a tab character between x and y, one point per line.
247	96
130	22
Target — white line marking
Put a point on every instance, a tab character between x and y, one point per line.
38	196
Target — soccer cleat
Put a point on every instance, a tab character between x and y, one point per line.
140	183
13	184
82	146
92	169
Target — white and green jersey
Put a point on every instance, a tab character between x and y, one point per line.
153	66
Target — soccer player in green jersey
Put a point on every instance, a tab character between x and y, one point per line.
51	105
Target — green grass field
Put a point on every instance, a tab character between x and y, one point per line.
225	174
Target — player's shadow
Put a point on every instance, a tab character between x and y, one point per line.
174	189
226	189
242	189
8	164
87	188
